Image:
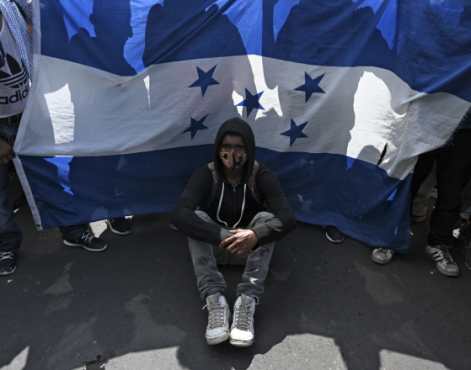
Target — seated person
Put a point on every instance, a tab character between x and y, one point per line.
233	206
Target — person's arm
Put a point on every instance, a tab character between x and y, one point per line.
185	218
284	221
5	151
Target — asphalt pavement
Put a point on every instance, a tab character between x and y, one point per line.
136	307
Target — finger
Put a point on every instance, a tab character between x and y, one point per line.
224	243
233	247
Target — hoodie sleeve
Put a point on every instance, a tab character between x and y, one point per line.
284	220
185	218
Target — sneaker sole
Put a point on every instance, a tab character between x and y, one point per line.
8	273
443	272
448	274
217	340
241	343
333	241
117	232
70	244
380	262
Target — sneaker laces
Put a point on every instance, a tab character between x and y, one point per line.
216	313
87	236
442	255
7	256
385	251
243	316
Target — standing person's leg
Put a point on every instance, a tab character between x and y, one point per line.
251	288
211	285
466	209
10	234
453	165
422	170
383	256
421	201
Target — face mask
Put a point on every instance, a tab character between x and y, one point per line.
233	156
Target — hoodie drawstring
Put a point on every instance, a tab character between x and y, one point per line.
220	205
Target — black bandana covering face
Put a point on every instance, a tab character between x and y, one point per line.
233	156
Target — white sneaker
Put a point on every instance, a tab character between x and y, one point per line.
382	256
242	329
217	330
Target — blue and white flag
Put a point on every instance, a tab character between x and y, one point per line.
342	96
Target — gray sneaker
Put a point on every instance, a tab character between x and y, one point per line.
242	329
217	330
443	260
382	256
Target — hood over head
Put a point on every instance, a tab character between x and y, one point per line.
236	126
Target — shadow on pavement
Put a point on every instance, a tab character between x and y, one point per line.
74	310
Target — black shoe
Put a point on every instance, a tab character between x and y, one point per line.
333	235
7	263
87	241
120	226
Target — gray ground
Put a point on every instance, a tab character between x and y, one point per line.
136	307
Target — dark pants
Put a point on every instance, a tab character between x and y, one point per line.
453	171
10	234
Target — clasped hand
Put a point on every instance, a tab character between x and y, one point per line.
241	242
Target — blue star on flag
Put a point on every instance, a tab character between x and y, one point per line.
251	102
295	132
205	79
195	126
311	86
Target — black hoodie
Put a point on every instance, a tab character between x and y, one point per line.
199	194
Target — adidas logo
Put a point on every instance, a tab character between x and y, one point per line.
18	76
18	79
18	96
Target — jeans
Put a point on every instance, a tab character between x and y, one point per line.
10	234
208	277
453	171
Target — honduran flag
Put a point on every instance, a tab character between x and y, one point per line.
342	95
